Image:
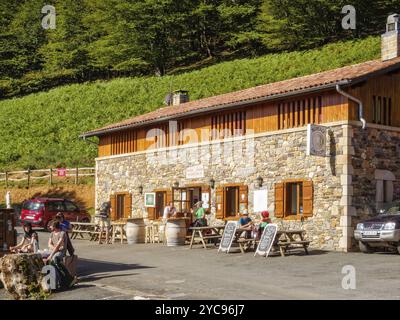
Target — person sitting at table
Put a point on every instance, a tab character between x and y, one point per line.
265	220
58	247
66	227
29	242
245	223
169	211
199	215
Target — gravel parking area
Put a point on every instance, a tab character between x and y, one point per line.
154	271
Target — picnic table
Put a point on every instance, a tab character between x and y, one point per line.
82	228
285	241
203	234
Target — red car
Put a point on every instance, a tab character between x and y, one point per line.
41	211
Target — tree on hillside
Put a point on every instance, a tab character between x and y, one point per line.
310	23
65	49
21	36
154	32
224	25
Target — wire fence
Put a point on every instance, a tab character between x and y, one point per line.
32	176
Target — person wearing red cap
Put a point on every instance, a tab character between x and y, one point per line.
265	219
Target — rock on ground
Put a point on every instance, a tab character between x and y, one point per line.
21	274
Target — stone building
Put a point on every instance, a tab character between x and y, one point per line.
319	152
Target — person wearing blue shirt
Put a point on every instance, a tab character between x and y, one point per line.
64	224
245	223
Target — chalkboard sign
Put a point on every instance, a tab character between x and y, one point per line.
228	236
266	240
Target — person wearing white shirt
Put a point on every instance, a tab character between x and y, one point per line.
169	211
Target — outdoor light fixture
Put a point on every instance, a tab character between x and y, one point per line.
176	184
212	183
259	181
140	188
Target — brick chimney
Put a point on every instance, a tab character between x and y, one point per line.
391	39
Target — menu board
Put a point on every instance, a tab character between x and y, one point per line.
228	236
267	240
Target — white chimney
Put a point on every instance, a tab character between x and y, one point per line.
391	39
179	97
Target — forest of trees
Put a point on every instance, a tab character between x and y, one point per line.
96	39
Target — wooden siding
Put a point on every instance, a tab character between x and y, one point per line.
258	118
386	86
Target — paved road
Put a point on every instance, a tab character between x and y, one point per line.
158	272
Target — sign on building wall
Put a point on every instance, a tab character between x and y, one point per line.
260	200
195	172
150	200
205	197
316	140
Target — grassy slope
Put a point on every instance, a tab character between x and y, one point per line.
42	129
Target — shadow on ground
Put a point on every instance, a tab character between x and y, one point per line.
91	270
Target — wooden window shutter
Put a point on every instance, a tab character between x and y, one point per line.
113	202
307	198
279	199
219	202
128	205
243	197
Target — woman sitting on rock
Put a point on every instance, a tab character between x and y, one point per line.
29	242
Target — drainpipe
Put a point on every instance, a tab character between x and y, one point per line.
359	102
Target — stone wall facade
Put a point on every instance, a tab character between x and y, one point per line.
278	156
376	160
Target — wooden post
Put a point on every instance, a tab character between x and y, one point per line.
76	175
51	176
29	177
6	179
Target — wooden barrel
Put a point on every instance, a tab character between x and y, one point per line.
176	232
135	231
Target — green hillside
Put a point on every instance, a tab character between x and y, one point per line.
42	129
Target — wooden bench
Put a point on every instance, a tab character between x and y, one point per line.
245	244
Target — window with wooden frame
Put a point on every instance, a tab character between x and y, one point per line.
299	113
121	206
231	201
163	197
227	125
382	110
124	142
185	198
294	199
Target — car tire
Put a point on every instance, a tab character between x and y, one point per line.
364	247
398	247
